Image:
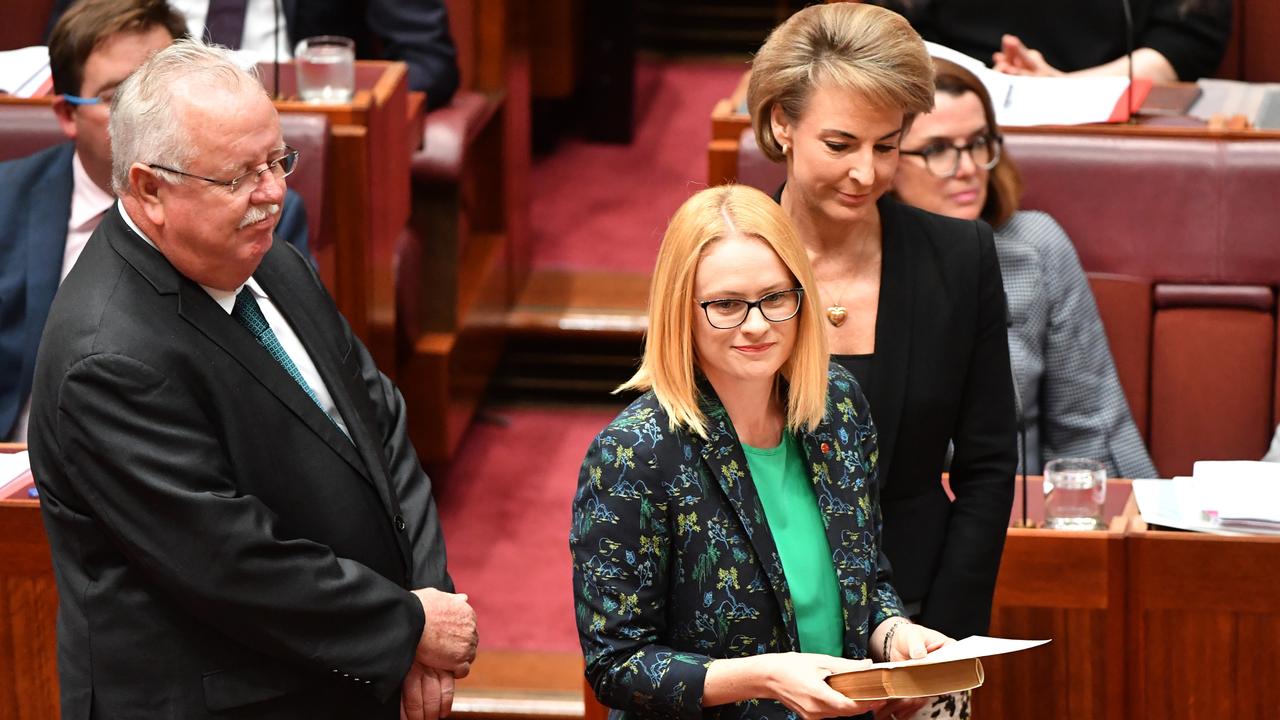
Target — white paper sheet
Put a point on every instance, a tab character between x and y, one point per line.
12	466
1194	503
1021	100
23	71
974	646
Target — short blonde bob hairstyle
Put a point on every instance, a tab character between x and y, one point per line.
669	364
865	49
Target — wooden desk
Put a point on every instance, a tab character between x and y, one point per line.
1068	586
1203	623
29	610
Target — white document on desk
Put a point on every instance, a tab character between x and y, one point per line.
1022	101
13	468
1241	494
1236	506
1230	97
23	72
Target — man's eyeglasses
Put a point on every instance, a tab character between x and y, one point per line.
103	98
728	313
943	159
281	167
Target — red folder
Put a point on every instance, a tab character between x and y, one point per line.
1131	100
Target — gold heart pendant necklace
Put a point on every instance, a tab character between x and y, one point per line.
836	315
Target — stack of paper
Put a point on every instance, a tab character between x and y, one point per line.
1234	97
1226	498
15	470
1022	100
25	72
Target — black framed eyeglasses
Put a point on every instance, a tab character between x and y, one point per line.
281	167
943	158
729	313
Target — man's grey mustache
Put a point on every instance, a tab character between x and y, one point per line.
259	212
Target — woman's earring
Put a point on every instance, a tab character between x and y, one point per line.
785	148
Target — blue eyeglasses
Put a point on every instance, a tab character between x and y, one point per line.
102	98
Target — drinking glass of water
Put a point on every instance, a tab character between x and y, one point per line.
326	69
1075	491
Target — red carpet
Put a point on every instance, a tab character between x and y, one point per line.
504	505
604	207
504	502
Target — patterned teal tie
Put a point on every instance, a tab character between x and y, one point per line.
247	313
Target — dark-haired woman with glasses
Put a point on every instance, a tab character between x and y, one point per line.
1072	402
726	529
912	302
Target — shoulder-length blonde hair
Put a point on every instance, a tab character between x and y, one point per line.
668	367
863	48
1004	185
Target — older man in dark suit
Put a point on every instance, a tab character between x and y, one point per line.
239	525
51	201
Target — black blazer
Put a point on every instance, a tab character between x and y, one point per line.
941	375
219	545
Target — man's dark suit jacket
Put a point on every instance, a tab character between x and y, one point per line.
415	32
941	374
221	549
35	203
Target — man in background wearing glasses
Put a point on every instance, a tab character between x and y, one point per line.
51	201
238	523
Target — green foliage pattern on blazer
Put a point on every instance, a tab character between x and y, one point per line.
674	564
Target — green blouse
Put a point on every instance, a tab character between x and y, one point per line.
791	509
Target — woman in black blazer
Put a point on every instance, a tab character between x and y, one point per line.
914	301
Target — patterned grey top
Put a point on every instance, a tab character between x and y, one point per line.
1070	393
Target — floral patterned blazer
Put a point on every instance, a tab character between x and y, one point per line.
674	565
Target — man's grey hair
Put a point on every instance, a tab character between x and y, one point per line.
146	125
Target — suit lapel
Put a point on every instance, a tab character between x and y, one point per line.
324	353
350	397
723	455
833	467
196	307
894	320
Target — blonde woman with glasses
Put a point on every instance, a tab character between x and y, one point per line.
726	530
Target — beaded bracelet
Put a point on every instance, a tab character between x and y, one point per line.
888	638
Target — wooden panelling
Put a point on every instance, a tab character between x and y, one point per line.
1204	611
1065	679
28	615
1070	587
